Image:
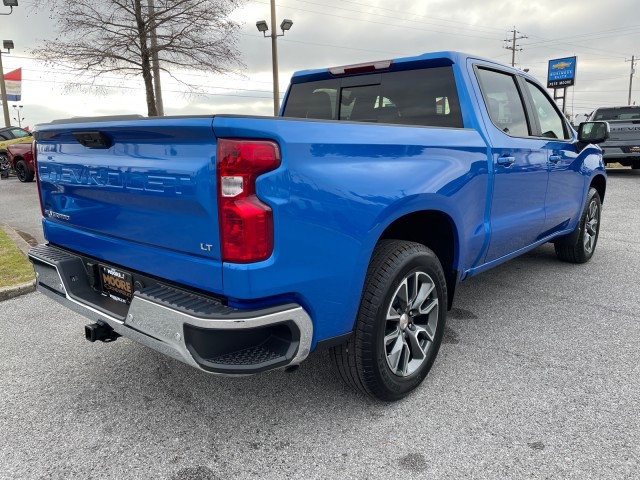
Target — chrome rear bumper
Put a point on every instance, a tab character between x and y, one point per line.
188	326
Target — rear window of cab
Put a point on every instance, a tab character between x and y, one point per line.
424	97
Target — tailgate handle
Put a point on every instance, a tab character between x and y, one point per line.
506	161
93	139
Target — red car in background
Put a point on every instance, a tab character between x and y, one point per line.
21	160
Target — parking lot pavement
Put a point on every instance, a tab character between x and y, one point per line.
538	377
20	207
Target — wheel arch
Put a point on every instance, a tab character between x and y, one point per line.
599	182
439	234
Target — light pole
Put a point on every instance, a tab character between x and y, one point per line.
18	109
262	27
7	45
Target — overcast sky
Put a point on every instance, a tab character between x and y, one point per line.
603	35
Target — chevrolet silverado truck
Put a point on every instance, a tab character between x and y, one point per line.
241	244
623	145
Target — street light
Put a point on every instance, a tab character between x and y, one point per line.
8	46
286	25
10	4
262	27
18	108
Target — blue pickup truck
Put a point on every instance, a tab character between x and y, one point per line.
241	244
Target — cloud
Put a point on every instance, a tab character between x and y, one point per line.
334	32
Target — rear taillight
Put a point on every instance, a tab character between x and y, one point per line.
246	223
34	152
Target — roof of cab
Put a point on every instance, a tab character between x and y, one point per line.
433	59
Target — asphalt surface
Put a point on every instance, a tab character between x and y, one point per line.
539	377
20	207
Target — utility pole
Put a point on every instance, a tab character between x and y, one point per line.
513	47
633	70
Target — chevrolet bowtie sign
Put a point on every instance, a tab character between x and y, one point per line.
562	72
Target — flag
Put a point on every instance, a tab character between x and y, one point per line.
13	81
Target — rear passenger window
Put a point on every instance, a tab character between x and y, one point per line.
551	124
425	97
503	102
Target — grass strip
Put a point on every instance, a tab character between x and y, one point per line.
14	266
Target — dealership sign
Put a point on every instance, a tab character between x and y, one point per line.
13	82
562	72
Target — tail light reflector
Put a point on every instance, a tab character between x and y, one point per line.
246	223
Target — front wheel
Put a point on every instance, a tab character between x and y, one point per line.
400	322
587	231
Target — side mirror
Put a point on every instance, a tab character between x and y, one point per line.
593	132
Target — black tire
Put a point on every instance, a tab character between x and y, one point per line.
23	172
387	358
586	233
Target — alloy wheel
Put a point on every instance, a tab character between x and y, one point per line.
591	226
411	323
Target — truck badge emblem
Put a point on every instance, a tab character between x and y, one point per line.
60	216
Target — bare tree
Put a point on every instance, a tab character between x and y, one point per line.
106	36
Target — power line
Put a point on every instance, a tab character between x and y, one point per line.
288	40
590	35
439	19
357	19
126	87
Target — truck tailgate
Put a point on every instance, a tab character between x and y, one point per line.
140	194
624	131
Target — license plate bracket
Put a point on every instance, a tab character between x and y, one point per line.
116	283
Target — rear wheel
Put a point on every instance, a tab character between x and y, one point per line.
23	172
400	322
587	233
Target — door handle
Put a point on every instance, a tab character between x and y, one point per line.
554	158
506	161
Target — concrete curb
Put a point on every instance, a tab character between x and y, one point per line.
16	290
